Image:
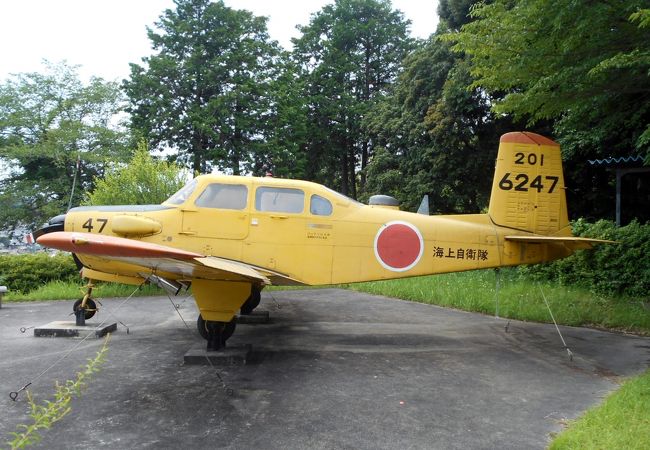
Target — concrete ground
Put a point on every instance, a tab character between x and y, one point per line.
333	369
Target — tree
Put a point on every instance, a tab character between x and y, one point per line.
205	90
350	53
583	67
436	133
284	147
583	64
142	181
53	130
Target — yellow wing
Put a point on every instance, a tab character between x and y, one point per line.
157	258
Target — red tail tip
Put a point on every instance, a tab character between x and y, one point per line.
525	137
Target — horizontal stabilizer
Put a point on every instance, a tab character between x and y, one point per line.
571	241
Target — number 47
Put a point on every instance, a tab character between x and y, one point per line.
88	225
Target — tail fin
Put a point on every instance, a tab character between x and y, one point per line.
528	189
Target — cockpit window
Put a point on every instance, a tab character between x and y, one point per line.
182	195
279	200
223	196
320	206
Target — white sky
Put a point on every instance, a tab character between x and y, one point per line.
104	36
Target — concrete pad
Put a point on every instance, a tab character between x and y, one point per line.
59	328
335	369
230	356
256	317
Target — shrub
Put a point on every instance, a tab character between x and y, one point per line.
27	272
622	268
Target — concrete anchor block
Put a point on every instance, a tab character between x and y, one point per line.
71	329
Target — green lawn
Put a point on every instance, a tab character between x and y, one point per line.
518	299
622	421
59	290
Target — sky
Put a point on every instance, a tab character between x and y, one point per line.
104	36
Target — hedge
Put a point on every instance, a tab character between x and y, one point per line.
27	272
622	268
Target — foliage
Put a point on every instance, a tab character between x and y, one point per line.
349	53
582	65
205	92
53	127
621	268
621	421
24	273
142	181
47	414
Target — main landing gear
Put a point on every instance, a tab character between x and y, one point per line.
252	302
216	333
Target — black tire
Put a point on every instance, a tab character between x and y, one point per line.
252	302
90	310
204	325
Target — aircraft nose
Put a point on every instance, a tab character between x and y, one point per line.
54	224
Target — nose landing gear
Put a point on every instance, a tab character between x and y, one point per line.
85	308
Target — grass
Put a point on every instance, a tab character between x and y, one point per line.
518	299
62	290
622	421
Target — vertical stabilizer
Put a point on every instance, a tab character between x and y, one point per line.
528	189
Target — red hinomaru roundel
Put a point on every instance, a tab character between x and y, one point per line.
398	246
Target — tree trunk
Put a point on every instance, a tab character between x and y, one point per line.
344	172
352	173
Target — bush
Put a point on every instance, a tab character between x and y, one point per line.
622	268
27	272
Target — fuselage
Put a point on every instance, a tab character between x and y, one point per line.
306	232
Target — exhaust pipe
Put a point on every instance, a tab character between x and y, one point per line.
170	286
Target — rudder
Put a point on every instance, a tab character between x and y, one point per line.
528	192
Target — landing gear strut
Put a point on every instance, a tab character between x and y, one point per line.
85	308
252	302
216	333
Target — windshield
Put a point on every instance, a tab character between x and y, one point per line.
183	194
342	197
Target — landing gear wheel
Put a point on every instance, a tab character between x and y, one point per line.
89	310
252	302
216	333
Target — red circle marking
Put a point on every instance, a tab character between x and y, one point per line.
398	246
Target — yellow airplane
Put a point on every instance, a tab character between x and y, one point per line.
229	236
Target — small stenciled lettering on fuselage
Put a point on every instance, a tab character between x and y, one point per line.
319	231
398	246
471	254
320	235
